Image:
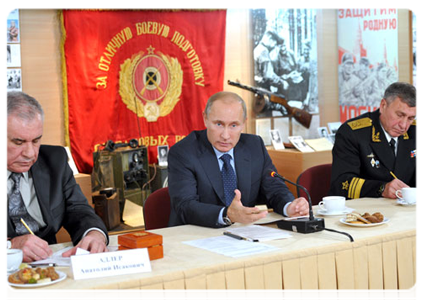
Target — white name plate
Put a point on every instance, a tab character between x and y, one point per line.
110	263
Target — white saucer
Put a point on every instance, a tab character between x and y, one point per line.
385	220
323	212
402	202
62	276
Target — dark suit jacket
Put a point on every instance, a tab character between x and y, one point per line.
61	200
363	159
195	182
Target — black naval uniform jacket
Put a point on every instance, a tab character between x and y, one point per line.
363	160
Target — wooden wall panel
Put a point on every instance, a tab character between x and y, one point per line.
327	64
41	72
405	42
239	63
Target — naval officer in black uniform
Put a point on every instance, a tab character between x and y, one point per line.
375	154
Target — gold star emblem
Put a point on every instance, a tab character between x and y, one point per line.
151	50
345	185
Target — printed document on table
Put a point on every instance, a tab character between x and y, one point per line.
55	260
58	260
260	233
231	247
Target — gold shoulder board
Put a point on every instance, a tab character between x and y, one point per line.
414	123
360	123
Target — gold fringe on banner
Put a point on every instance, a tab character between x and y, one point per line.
64	78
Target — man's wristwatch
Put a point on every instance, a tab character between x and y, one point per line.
226	219
381	190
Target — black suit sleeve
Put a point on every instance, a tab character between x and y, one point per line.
79	215
348	155
61	196
187	183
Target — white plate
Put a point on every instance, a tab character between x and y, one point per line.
62	276
402	202
385	220
323	212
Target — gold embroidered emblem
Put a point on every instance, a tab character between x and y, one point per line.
406	137
345	185
360	123
375	136
150	84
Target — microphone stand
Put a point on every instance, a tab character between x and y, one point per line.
302	225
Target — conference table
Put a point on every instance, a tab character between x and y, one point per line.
381	257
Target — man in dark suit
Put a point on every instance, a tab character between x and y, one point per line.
375	154
42	190
198	184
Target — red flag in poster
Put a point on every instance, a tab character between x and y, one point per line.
366	65
139	74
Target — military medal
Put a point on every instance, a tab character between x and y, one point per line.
413	153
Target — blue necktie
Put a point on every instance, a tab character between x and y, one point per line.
229	179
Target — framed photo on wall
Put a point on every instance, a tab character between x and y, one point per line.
13	34
14	80
13	55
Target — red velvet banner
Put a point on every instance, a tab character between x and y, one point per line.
138	74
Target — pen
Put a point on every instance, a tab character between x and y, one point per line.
35	265
26	226
239	237
393	175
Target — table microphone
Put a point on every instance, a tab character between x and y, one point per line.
302	225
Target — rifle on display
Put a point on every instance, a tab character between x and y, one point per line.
300	115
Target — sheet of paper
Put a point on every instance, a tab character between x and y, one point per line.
260	233
321	144
58	260
271	217
262	129
230	247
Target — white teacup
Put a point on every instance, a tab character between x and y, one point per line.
333	204
14	259
407	194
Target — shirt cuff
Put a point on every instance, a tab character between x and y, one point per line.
285	208
220	218
106	240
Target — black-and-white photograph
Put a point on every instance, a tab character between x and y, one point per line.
276	139
162	153
13	55
14	82
300	144
285	57
333	127
323	132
